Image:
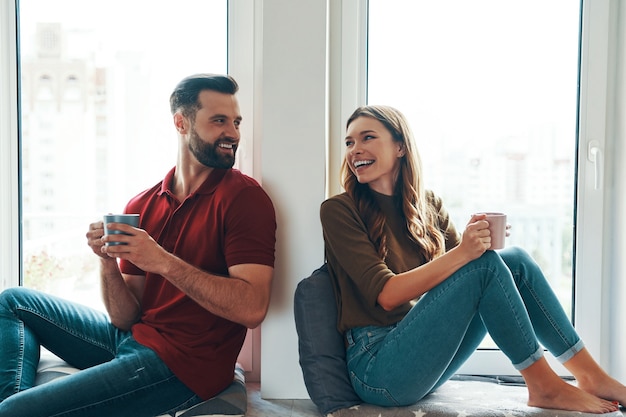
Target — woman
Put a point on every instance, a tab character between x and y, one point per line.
415	299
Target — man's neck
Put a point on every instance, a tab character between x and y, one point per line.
187	179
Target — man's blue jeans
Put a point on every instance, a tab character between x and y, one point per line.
120	377
504	293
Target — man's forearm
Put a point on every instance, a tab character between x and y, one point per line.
242	297
121	304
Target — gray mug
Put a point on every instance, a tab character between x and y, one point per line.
131	219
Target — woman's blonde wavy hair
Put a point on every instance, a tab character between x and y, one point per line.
421	217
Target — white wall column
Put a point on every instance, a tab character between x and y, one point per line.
291	125
616	204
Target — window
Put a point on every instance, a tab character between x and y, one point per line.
491	91
95	122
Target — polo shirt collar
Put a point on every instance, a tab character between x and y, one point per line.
207	187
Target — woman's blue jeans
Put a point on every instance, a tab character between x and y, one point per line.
119	376
504	293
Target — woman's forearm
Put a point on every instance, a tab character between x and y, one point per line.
409	285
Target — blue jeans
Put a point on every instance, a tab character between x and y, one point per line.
504	293
119	377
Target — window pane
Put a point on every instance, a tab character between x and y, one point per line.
95	122
490	89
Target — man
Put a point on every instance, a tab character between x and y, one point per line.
179	294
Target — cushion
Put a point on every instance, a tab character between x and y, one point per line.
320	345
465	397
51	367
233	401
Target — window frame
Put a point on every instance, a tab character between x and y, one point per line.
241	15
9	148
597	24
347	21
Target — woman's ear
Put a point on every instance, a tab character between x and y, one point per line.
401	150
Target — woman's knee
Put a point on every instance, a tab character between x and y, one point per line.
490	259
488	264
518	260
515	255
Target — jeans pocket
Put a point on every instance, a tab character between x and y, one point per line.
364	343
371	336
372	395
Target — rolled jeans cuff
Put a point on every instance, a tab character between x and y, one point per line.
530	360
569	353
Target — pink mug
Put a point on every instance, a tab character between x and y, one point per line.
497	227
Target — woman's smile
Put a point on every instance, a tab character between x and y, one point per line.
373	155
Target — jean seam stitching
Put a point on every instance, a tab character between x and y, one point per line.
545	312
448	287
65	329
113	398
22	354
527	337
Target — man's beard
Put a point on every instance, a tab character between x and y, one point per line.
207	153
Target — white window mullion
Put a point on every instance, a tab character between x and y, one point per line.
347	77
9	206
243	41
590	277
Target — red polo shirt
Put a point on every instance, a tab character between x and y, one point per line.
229	220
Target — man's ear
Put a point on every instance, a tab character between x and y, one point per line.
180	122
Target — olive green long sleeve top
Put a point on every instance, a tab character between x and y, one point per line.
358	272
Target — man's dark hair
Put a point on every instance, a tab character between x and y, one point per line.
185	95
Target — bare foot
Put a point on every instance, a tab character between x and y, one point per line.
607	388
569	397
